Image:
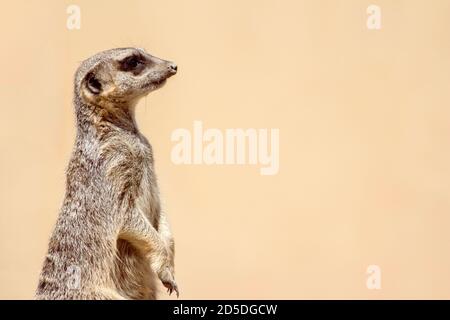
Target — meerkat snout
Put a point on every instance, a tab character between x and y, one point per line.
173	68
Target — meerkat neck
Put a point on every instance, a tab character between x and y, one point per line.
115	117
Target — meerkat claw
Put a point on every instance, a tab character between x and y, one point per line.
171	287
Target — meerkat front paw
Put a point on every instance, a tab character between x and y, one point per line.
163	267
167	278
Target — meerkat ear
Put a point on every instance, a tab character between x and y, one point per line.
92	83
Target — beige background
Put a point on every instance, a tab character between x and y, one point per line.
364	123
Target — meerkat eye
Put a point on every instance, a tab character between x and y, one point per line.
131	63
93	84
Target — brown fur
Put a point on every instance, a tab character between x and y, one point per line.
111	240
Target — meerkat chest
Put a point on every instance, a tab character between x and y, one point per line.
147	201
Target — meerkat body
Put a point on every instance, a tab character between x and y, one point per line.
111	239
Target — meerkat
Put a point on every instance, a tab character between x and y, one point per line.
111	239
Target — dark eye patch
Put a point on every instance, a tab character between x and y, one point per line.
93	84
134	63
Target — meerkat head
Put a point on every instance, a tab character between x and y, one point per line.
121	76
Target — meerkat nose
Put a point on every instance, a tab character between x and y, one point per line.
173	67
